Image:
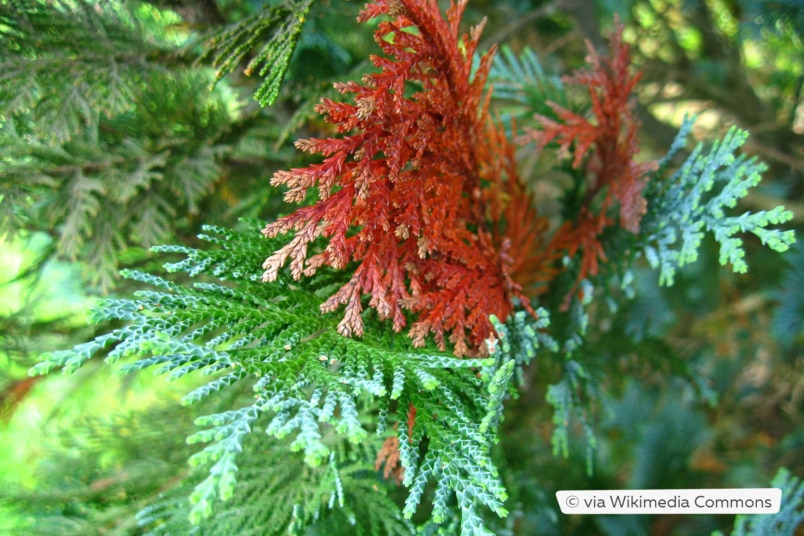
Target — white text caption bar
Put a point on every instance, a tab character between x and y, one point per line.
671	501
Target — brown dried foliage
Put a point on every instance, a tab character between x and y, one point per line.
388	459
389	452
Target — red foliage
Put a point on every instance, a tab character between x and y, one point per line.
420	190
610	137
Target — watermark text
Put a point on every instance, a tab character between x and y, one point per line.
671	501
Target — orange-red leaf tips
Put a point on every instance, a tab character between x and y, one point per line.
418	192
604	144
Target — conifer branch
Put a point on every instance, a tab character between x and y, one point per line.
603	146
419	217
273	32
106	146
695	198
415	189
309	380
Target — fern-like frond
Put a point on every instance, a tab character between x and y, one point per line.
66	62
272	498
309	380
120	182
573	394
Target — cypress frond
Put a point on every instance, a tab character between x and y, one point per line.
111	141
323	402
55	71
273	498
694	200
309	381
273	33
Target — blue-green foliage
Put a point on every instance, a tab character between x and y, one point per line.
520	337
789	321
274	31
309	381
571	395
519	340
784	523
694	200
289	497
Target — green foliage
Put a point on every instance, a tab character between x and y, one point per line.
658	432
100	471
116	183
105	150
273	497
571	396
789	518
662	435
311	380
521	80
694	199
65	63
274	31
789	321
143	142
